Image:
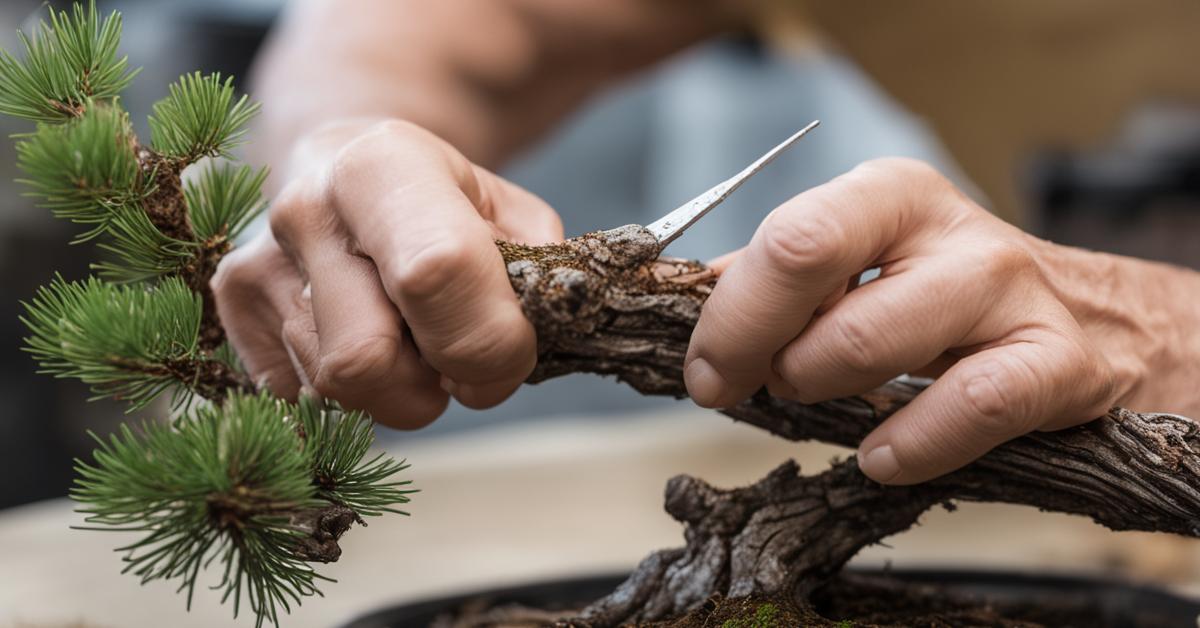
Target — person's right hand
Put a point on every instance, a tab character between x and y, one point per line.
379	284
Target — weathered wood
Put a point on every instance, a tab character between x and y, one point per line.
605	303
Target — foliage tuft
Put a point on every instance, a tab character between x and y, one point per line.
138	251
200	118
84	170
223	486
337	444
224	200
122	340
218	487
67	63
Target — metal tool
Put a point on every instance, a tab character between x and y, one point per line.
669	227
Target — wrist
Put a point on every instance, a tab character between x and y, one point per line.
1141	315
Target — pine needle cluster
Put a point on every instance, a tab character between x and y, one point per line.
254	488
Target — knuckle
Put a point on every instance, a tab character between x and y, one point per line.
362	364
393	129
857	345
376	142
298	207
793	244
235	276
927	190
849	347
431	269
987	395
905	168
904	173
1002	262
241	290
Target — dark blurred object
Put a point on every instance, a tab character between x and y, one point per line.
46	420
1138	196
1103	602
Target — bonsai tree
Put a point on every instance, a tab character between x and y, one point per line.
237	482
261	488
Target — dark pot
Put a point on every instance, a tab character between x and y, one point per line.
1117	604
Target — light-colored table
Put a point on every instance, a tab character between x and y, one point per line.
521	502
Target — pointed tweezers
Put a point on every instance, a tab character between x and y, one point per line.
671	226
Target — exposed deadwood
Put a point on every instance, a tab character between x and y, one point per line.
323	527
605	303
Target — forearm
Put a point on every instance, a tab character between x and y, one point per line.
486	76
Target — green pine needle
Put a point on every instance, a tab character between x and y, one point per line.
337	443
200	118
222	487
127	342
138	250
84	170
67	62
237	483
224	199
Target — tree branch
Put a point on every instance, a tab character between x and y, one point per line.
166	207
605	303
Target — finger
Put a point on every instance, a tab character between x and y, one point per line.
354	349
257	288
366	360
721	263
987	399
887	327
413	210
303	345
519	215
805	251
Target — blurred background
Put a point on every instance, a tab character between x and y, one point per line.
629	156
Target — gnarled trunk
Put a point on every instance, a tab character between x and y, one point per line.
606	303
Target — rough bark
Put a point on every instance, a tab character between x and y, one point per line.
324	527
605	303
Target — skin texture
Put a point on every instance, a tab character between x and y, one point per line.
379	284
1013	328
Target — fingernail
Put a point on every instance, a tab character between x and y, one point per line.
704	383
880	464
448	385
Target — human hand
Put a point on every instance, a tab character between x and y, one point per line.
379	284
1021	334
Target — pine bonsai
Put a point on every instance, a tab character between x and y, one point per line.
251	487
262	487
